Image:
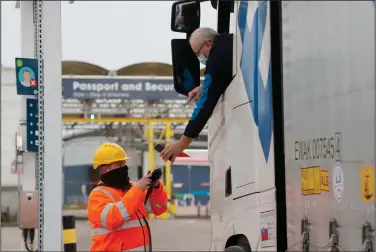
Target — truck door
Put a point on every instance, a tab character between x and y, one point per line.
186	67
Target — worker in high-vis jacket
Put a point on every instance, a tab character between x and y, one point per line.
116	206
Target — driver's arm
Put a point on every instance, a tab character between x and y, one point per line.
212	90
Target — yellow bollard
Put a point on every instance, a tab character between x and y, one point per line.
169	134
151	146
69	234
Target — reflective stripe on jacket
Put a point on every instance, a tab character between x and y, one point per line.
116	217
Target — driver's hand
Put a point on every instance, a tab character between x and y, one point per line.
194	94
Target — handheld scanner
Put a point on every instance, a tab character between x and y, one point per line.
159	148
156	174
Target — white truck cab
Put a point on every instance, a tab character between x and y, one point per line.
292	140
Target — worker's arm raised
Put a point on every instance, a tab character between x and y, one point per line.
157	201
103	211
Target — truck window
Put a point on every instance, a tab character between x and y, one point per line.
228	183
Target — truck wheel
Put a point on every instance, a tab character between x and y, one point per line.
238	248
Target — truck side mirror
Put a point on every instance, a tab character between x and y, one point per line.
186	67
185	16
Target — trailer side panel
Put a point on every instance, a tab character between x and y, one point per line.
329	107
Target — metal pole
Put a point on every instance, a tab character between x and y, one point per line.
27	51
168	135
161	135
52	121
151	146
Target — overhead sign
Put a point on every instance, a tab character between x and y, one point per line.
119	88
27	71
32	125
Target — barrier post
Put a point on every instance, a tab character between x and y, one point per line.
169	133
199	209
69	234
151	146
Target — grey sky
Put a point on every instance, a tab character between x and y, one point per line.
109	34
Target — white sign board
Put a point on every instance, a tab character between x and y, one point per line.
268	230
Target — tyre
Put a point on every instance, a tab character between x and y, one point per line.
238	248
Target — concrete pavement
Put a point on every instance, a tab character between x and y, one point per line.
167	235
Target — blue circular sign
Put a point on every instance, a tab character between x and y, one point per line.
26	77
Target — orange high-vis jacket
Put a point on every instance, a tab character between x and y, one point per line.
116	217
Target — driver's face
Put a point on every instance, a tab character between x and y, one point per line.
26	75
202	49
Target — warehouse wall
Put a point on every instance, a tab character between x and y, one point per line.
80	151
190	184
9	201
77	183
10	115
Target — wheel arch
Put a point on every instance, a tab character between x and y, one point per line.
238	239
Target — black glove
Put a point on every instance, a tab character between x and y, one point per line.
155	175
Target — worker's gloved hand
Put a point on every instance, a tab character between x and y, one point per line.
155	183
144	183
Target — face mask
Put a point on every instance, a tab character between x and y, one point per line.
117	178
203	59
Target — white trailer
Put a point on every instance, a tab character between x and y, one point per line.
292	140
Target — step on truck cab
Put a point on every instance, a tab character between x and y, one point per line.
292	140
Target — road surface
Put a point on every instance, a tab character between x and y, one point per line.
168	235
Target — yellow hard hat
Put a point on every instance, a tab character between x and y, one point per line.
108	153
